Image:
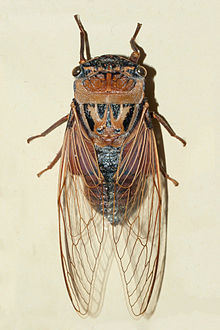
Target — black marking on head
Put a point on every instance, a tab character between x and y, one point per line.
86	72
115	110
109	60
88	117
128	117
101	110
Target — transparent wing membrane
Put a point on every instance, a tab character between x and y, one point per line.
140	240
82	234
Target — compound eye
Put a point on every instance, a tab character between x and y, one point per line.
141	71
76	71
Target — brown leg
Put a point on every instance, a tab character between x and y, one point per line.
50	129
176	183
51	165
163	121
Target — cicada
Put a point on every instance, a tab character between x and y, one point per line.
110	191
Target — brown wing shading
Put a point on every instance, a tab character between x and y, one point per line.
81	222
140	239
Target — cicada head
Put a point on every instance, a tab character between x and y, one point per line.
108	78
108	90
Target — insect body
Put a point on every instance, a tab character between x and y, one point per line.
110	193
109	103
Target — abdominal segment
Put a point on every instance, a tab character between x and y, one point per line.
109	198
108	158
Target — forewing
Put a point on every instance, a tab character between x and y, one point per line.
140	239
81	222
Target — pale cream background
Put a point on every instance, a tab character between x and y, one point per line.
38	49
